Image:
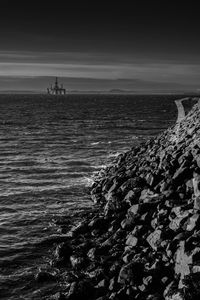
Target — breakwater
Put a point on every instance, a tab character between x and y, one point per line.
142	239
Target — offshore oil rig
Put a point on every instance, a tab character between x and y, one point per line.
56	89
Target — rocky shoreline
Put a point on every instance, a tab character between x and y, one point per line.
142	239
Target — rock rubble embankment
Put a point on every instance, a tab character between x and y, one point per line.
144	240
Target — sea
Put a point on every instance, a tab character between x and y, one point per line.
51	148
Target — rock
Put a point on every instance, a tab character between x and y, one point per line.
198	160
154	239
96	198
133	210
139	231
81	228
184	262
180	212
150	179
169	193
181	236
131	241
155	296
148	196
102	284
129	198
189	185
133	195
82	289
176	295
130	218
181	174
97	274
63	250
107	184
128	256
147	280
175	224
113	205
142	287
136	182
76	261
147	207
58	296
181	216
164	280
196	269
128	223
62	254
131	273
98	223
112	284
92	253
44	276
72	290
192	222
114	186
115	268
196	186
197	203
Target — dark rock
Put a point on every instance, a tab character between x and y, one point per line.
81	290
128	223
130	184
81	228
181	174
98	223
113	205
44	276
63	253
131	273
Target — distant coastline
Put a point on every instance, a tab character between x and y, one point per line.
109	92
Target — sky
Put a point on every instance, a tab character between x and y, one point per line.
137	46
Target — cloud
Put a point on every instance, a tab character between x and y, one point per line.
98	66
153	72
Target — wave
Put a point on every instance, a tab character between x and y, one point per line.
88	181
78	163
95	143
115	154
98	166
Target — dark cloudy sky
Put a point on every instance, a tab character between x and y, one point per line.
94	45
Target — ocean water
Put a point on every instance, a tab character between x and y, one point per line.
50	148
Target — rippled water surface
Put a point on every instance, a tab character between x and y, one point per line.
49	149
